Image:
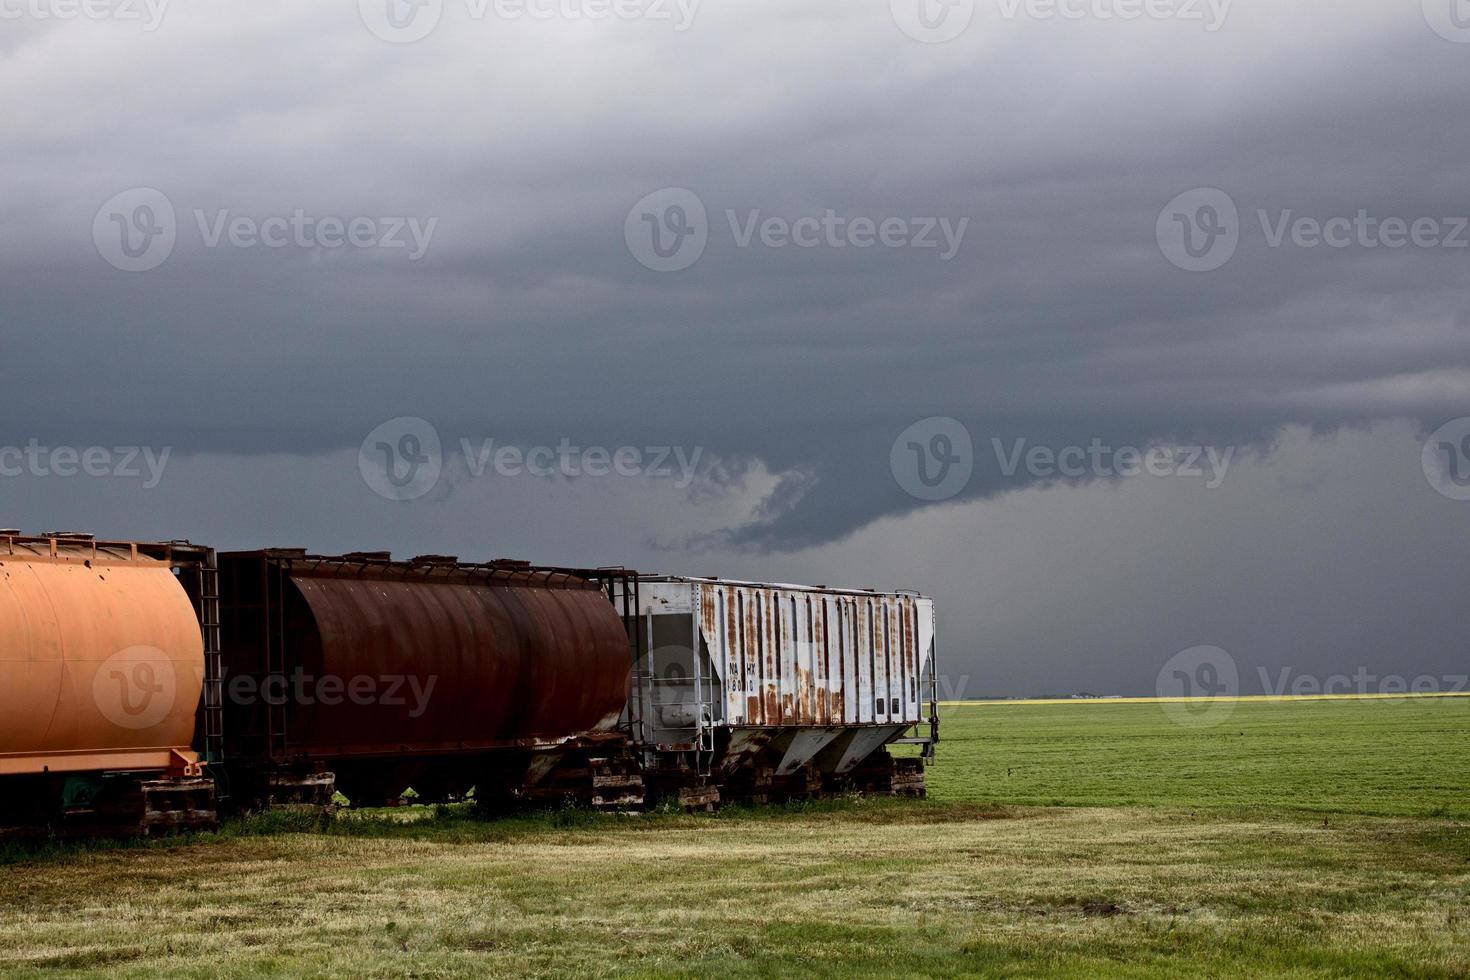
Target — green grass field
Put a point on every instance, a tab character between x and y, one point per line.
1400	758
1310	839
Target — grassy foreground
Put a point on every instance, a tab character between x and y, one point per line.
1317	844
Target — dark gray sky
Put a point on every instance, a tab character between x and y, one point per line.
526	151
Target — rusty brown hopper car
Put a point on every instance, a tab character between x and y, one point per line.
429	673
102	668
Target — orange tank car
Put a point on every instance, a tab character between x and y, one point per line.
101	659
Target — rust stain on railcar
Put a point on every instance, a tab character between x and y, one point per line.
804	690
798	700
788	638
772	658
867	675
813	667
801	676
709	627
707	599
755	676
911	651
710	596
876	642
820	655
896	676
756	643
846	660
732	643
746	619
837	629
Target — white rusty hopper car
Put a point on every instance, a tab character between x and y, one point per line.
759	691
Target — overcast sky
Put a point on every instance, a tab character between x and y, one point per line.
889	294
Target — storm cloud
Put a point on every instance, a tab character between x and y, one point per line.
1056	157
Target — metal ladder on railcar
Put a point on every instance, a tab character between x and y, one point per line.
209	628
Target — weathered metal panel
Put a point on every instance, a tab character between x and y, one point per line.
795	689
820	659
101	659
851	676
870	640
755	713
735	632
882	658
880	662
910	645
924	645
801	661
810	657
894	660
711	625
863	648
781	674
852	708
771	656
926	634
